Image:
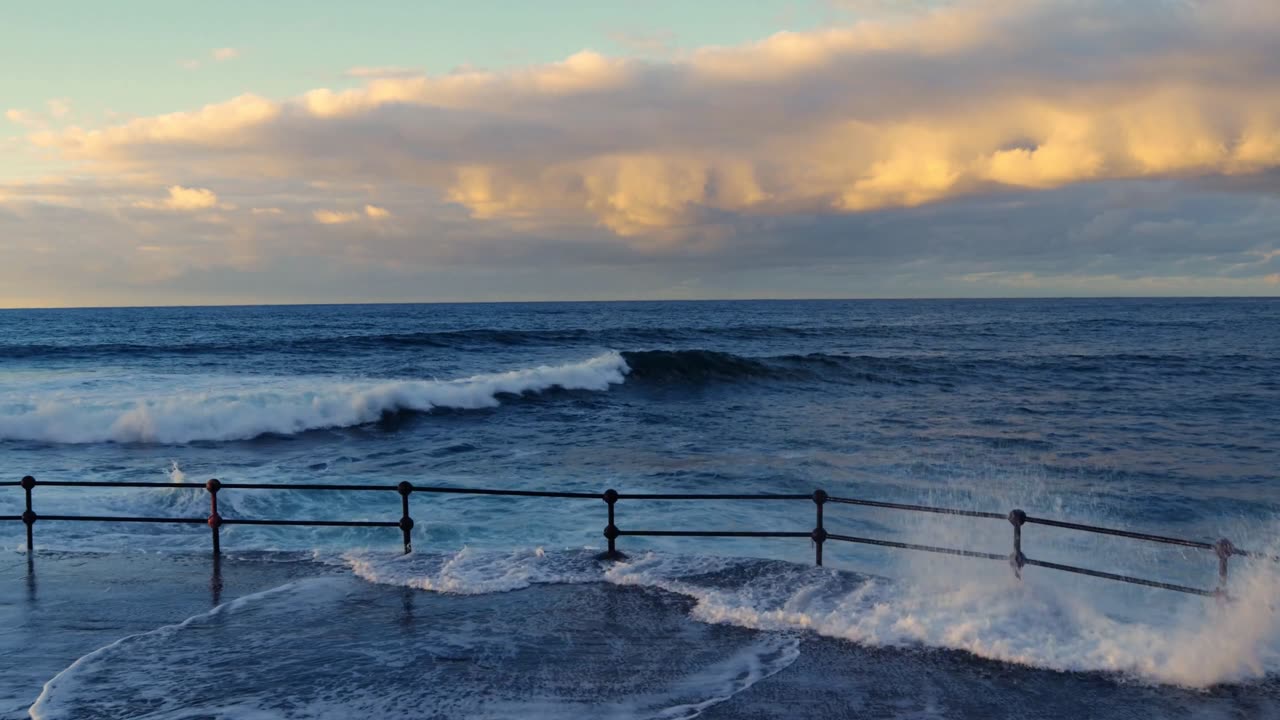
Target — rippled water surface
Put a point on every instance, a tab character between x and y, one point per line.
1157	415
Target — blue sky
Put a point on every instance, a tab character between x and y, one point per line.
157	153
129	56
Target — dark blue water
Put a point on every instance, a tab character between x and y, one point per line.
1157	415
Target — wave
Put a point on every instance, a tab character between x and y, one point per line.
164	409
1036	622
474	338
288	342
703	366
242	409
226	408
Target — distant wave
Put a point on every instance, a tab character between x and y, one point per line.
702	366
286	406
476	338
223	408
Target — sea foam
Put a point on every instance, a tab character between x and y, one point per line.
1047	621
187	409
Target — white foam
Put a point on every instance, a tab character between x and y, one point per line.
240	408
473	572
1048	620
1045	621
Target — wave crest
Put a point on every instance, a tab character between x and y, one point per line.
241	409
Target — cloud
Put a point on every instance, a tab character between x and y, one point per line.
955	101
26	118
655	42
59	108
336	217
1040	143
386	71
182	199
224	54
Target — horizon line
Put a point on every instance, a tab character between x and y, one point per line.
935	298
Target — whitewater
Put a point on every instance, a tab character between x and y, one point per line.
166	409
1157	416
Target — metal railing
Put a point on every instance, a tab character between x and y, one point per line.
818	535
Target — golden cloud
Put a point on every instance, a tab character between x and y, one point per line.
182	199
896	112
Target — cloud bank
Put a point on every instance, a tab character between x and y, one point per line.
814	144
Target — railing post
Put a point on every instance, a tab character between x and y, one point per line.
1224	549
406	522
819	532
215	520
611	532
29	515
1017	518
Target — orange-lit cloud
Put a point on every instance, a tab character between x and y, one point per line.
182	199
891	113
1002	144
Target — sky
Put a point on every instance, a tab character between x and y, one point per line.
328	151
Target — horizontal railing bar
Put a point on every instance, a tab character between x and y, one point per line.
114	518
516	493
918	508
10	517
1121	578
11	483
712	533
1254	554
676	496
96	483
314	523
291	486
1122	533
912	546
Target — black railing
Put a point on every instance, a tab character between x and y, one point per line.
819	535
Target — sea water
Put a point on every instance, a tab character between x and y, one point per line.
1153	415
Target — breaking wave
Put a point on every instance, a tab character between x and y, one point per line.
178	409
245	408
181	409
1037	623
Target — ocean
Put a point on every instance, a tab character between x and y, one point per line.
1155	415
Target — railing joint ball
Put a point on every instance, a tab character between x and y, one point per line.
611	533
404	488
1017	518
820	496
28	482
610	496
29	517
